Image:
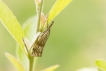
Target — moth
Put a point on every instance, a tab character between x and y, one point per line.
37	46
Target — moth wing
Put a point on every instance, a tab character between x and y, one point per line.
35	38
43	37
36	50
34	47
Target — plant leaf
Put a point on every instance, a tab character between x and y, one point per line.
11	24
57	8
101	64
52	68
15	62
22	58
88	69
100	69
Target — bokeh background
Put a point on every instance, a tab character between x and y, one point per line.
78	36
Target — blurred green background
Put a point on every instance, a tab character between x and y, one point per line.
78	36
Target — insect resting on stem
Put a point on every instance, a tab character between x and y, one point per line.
37	46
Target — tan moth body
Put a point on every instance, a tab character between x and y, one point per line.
39	42
37	47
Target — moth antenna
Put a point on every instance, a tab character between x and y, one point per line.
50	25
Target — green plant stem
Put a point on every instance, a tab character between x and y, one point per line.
39	9
31	61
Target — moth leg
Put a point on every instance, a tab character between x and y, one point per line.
26	44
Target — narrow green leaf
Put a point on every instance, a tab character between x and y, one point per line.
29	27
22	58
11	24
15	62
88	69
52	68
100	69
101	64
57	8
